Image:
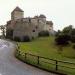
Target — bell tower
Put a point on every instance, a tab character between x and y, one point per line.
17	13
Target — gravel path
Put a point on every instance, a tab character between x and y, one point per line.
9	65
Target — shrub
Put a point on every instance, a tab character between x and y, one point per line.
32	37
73	47
43	33
58	33
73	39
26	39
62	40
17	39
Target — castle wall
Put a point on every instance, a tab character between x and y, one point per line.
28	26
34	21
48	27
23	28
19	26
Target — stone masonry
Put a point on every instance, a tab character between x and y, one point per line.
19	26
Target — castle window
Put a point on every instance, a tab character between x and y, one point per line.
33	30
29	20
38	20
36	27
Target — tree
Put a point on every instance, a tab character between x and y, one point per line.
73	32
66	36
58	33
62	40
17	39
2	27
67	30
73	36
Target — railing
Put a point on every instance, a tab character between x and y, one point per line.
46	63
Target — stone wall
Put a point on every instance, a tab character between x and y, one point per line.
25	29
28	26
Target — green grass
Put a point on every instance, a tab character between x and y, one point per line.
45	47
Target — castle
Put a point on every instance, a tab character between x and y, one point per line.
20	27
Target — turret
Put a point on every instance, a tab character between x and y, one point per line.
42	17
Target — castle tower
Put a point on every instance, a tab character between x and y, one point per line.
42	17
17	13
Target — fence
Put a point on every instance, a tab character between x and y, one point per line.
60	67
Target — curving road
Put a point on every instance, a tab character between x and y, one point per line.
9	65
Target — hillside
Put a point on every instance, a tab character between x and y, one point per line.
45	47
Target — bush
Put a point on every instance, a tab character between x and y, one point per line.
17	39
43	33
73	39
62	40
26	39
73	47
32	37
58	33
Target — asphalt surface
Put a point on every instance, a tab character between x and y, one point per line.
9	65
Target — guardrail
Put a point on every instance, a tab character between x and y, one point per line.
46	63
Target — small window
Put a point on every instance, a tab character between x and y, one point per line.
29	20
33	30
49	29
38	20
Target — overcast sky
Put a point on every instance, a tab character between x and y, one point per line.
61	12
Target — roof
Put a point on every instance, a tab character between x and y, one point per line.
42	16
36	17
49	22
18	9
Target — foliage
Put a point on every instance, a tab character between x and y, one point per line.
73	39
73	47
62	40
67	30
66	35
17	39
26	39
73	36
72	32
43	33
2	27
58	33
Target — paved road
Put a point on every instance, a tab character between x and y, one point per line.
9	65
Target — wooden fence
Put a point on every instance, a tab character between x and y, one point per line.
46	63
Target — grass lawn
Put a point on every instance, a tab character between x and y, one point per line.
45	47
